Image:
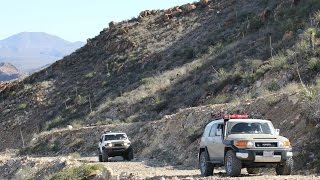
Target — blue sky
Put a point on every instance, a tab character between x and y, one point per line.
72	20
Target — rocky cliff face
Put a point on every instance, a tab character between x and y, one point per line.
164	62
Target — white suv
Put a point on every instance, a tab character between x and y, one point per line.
236	141
115	144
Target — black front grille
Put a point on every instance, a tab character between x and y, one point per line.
118	145
266	144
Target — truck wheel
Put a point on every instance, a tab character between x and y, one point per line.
253	170
206	168
285	168
104	156
232	164
129	155
100	158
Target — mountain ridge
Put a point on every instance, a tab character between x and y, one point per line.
32	50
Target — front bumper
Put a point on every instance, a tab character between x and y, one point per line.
264	155
116	151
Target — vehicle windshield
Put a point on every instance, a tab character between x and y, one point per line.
111	137
250	128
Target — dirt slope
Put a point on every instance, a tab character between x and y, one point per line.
175	138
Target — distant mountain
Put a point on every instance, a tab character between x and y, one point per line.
8	72
33	50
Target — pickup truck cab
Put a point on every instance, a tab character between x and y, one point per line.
236	142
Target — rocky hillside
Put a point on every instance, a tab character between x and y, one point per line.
166	61
8	72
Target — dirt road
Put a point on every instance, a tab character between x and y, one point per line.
136	169
152	169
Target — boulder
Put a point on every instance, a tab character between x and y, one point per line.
145	13
188	7
104	174
204	2
112	24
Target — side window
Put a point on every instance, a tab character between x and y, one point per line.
206	131
220	127
213	130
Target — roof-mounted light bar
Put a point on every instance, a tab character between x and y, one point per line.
236	116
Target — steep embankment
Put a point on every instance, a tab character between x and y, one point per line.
165	61
175	138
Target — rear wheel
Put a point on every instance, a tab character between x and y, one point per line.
232	164
285	168
206	168
253	170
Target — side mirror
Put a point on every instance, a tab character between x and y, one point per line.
277	132
219	132
101	140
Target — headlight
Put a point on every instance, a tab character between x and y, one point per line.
126	144
284	144
108	145
243	144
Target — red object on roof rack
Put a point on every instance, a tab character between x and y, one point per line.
236	116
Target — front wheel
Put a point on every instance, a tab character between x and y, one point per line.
285	168
206	168
100	158
129	154
104	156
232	164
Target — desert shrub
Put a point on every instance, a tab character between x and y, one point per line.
312	111
25	173
54	146
76	173
316	17
90	75
77	123
223	74
273	100
58	120
22	106
81	99
314	64
254	64
75	155
279	62
273	86
220	99
291	88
